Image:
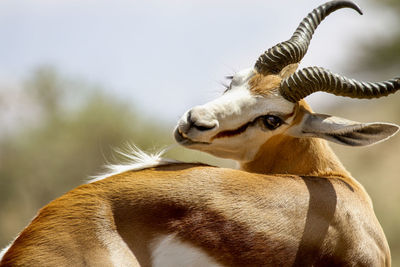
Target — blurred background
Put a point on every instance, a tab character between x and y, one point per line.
79	78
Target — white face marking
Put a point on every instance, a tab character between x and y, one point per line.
234	109
168	251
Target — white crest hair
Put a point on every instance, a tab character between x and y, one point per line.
136	159
4	250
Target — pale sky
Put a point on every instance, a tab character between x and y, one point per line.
166	56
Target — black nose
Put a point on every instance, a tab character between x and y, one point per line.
192	121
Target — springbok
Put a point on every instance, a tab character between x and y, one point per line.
291	204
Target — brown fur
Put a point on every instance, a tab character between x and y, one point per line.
294	205
301	156
264	85
214	209
261	84
282	154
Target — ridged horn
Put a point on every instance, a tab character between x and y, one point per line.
313	79
293	50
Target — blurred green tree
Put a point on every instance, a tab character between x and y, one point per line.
77	128
382	57
377	167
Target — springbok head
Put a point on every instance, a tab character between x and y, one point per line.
266	100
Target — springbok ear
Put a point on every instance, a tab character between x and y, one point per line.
344	131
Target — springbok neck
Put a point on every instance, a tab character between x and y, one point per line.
262	121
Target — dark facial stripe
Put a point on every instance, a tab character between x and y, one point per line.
230	133
241	129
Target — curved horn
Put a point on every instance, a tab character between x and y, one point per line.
313	79
294	49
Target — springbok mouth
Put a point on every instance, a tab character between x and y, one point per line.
182	139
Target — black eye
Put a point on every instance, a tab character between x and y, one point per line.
272	122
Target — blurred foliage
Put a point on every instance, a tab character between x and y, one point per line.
78	128
393	4
79	125
43	160
377	167
384	54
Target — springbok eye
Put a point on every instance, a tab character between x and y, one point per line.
272	122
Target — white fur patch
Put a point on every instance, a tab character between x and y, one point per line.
169	251
137	160
4	250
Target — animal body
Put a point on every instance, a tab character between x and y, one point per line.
291	203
